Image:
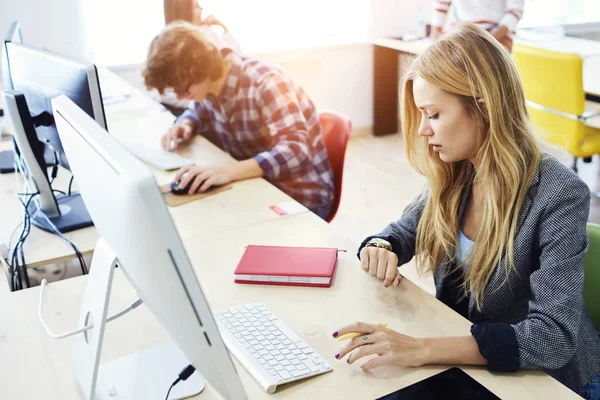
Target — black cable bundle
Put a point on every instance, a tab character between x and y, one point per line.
19	279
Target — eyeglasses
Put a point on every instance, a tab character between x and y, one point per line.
180	91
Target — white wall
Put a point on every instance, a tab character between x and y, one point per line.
336	77
55	25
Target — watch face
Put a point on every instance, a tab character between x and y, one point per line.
377	242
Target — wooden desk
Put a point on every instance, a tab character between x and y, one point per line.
138	118
313	313
389	55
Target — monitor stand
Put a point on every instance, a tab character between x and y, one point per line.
73	214
146	374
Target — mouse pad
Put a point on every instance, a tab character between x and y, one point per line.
174	200
452	384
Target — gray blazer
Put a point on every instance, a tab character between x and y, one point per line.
543	300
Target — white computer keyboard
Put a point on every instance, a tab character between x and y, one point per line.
157	157
271	352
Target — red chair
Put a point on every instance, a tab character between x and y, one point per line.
336	131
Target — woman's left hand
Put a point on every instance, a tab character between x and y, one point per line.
391	347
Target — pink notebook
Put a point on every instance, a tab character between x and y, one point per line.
274	265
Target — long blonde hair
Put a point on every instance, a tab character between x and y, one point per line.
470	64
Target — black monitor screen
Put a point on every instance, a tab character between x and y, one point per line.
452	384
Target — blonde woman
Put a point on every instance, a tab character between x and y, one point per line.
501	227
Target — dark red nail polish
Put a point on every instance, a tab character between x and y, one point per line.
335	334
337	355
348	360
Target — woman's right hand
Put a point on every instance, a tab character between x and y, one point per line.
381	263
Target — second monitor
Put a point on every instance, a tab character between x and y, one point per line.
37	77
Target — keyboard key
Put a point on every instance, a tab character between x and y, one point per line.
285	375
277	377
291	335
280	358
310	365
290	368
297	374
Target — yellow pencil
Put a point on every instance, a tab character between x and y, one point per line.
355	334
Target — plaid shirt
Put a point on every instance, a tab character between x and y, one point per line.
262	114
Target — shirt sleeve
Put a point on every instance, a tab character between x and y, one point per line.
513	14
193	113
440	11
282	115
556	308
196	113
402	234
498	344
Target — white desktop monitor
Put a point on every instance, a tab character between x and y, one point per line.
130	214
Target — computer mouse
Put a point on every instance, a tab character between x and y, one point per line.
175	189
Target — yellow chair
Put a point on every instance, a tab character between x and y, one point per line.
553	84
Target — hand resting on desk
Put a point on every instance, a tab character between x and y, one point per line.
198	179
381	263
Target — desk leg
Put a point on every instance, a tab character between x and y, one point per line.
385	90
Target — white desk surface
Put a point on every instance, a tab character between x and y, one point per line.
313	313
140	118
589	50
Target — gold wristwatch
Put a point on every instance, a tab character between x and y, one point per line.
382	243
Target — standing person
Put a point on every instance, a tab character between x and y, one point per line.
190	11
499	17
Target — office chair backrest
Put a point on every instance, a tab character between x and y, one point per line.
591	282
553	82
336	131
